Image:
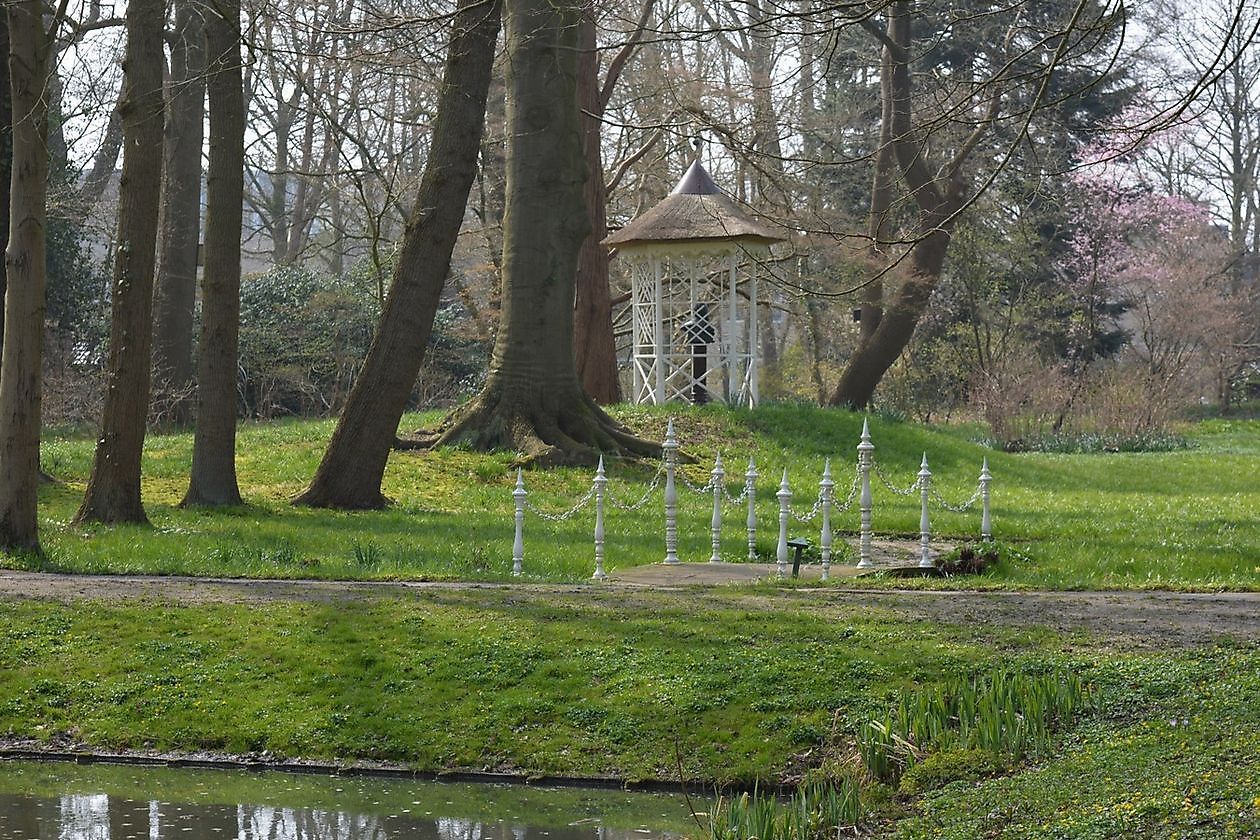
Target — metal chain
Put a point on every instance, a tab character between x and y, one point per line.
647	494
704	490
804	520
963	508
848	501
568	514
736	500
909	491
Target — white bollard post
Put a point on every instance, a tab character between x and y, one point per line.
785	501
866	453
925	535
670	449
986	524
826	488
518	546
750	489
601	482
715	525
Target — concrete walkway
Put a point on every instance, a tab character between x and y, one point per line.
885	555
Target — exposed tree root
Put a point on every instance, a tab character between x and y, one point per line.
546	432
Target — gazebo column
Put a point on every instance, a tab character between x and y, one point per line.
637	280
734	374
753	394
658	310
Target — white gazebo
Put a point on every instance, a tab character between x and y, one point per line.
694	263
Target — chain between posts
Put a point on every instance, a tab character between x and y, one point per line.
836	507
805	519
699	489
909	491
736	500
962	508
647	494
853	492
563	515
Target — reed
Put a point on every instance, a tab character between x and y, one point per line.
815	811
1005	712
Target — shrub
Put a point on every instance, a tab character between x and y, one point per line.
970	559
303	338
939	769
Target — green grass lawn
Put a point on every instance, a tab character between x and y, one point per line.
731	686
1182	519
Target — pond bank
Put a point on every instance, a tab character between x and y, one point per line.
25	750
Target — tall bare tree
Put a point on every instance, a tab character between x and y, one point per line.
113	491
349	476
594	346
176	291
6	153
938	190
213	477
30	46
532	401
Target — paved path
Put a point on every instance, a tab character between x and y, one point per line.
1152	619
885	554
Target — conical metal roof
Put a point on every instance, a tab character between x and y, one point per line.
697	211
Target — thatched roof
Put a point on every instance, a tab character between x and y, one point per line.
695	212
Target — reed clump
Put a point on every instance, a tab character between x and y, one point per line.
1006	713
814	811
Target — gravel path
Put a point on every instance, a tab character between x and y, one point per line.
1139	618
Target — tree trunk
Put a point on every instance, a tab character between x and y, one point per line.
103	163
176	291
26	273
594	347
6	153
113	491
937	198
533	402
879	228
58	150
490	174
349	476
213	478
876	354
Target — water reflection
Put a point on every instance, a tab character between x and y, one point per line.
376	810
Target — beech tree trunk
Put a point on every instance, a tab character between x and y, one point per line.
533	402
213	477
176	292
26	275
6	153
349	476
594	347
113	491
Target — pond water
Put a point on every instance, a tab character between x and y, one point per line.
60	801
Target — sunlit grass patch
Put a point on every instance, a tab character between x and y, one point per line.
1181	519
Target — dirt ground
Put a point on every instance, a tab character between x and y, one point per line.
1154	619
